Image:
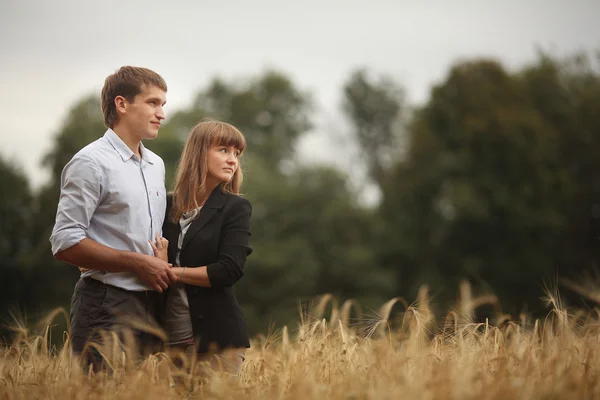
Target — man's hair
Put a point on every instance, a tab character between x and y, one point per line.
127	82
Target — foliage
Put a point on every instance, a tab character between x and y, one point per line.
493	179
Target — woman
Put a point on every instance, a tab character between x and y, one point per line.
207	229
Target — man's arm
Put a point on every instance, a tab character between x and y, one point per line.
99	257
81	190
80	194
151	270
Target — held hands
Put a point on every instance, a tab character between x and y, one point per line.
155	271
160	251
158	273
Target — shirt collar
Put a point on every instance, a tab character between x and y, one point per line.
124	151
145	154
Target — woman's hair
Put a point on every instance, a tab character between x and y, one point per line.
190	180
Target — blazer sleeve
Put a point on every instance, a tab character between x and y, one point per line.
233	247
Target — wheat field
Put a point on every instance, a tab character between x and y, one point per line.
335	356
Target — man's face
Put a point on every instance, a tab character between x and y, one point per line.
143	116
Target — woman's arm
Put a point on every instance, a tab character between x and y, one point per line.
233	251
192	276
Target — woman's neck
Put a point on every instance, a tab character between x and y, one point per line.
211	185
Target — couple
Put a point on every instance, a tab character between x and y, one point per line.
112	215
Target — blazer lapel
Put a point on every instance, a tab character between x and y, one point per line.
214	203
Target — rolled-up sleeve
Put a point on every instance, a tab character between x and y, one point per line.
80	192
233	249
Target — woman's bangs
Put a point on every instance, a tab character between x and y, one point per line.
229	136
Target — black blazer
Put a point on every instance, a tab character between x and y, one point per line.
218	238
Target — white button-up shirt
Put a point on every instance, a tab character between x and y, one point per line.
109	195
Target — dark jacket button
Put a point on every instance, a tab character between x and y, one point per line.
200	317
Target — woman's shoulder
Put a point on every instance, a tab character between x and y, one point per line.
236	200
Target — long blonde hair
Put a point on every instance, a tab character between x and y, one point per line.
190	180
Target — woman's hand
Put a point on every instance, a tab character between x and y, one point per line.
160	248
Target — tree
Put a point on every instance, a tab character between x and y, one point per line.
310	237
269	109
566	94
15	220
482	191
375	110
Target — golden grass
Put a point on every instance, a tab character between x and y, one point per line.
341	358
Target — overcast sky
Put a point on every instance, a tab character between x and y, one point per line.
55	52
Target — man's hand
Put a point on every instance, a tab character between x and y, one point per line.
156	273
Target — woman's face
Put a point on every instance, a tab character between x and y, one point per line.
222	162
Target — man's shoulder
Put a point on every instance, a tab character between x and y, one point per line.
95	151
89	163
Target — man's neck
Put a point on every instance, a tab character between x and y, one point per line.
130	140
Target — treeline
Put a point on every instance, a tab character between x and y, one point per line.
495	179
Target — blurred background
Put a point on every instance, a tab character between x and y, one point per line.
392	144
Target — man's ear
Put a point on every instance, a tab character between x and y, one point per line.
120	104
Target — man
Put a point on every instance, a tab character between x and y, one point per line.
112	203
